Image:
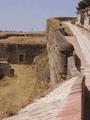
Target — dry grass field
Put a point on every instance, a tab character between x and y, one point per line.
17	92
24	40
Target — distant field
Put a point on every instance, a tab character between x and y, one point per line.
17	92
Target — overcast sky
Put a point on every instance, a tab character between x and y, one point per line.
25	15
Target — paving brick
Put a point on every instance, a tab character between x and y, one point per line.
72	110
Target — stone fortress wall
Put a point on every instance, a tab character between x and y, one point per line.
19	53
21	48
60	51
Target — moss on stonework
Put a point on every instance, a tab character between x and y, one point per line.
63	76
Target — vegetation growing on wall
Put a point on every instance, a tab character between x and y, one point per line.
42	67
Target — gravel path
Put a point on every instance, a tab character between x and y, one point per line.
48	107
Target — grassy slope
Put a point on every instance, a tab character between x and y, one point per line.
42	67
17	92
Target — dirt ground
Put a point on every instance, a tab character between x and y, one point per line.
17	92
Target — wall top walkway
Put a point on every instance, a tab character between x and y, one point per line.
74	109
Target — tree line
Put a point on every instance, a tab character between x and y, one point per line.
83	4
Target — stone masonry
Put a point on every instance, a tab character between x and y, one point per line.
20	53
59	50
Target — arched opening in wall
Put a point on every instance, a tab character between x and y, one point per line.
21	58
64	62
77	62
89	21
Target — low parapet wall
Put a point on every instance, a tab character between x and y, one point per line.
5	35
75	106
66	18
